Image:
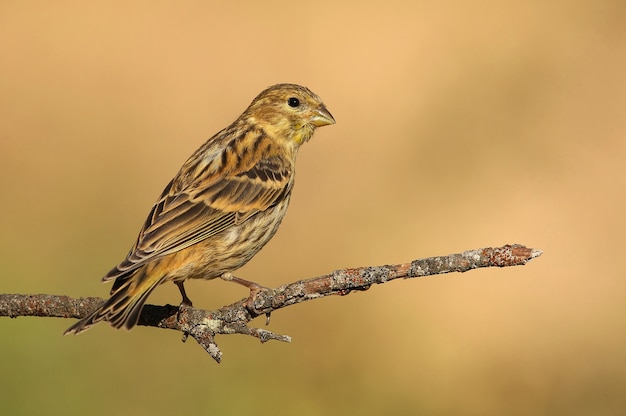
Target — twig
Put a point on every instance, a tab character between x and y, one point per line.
203	325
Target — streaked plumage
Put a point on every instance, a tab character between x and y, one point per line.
224	204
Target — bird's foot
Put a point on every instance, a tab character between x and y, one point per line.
255	289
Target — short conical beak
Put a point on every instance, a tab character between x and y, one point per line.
322	117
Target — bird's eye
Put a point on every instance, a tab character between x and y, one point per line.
293	102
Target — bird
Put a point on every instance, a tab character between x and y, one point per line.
224	204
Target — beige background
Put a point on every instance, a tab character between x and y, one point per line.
459	125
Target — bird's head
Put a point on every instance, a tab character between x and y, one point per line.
289	111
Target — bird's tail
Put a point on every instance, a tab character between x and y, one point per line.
124	306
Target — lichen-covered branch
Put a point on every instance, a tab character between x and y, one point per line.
203	325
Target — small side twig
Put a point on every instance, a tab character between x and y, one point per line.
204	325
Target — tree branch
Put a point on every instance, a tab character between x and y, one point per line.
203	325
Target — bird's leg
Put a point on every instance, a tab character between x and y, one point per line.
254	288
186	301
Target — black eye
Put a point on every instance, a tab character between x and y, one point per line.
293	102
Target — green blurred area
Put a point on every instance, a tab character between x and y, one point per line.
459	125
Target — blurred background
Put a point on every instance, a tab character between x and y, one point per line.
459	125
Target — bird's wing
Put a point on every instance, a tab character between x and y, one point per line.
222	195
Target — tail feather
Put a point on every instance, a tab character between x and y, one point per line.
124	306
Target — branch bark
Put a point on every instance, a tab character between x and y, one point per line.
204	325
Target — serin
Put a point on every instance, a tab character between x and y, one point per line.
224	204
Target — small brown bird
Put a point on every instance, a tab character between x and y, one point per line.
221	208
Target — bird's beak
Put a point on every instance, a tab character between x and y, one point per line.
322	117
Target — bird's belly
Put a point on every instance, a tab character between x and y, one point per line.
228	250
